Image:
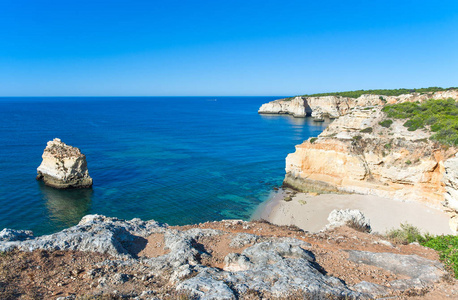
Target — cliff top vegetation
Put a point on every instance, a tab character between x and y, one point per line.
439	115
384	92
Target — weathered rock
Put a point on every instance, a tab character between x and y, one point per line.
414	266
206	288
451	182
276	268
94	233
7	235
370	288
279	267
63	166
243	239
422	272
353	217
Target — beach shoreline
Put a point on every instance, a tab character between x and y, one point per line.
310	211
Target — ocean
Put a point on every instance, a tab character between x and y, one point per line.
178	160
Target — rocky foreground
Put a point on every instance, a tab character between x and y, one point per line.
113	258
63	166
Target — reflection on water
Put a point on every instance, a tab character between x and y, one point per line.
298	124
66	207
298	121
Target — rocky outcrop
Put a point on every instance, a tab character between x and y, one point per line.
266	265
348	217
421	272
355	154
336	106
63	166
296	107
94	233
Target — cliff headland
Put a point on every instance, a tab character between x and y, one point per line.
335	105
375	147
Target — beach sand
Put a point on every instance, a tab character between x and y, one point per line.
310	213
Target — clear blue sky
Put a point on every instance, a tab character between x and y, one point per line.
169	47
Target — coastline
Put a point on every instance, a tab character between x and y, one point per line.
310	212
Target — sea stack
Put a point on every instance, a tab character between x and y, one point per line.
63	166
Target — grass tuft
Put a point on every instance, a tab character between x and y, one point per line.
358	226
386	123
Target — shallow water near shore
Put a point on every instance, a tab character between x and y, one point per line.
177	160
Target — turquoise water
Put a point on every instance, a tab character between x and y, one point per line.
177	160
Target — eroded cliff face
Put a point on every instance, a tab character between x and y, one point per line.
336	106
355	154
63	166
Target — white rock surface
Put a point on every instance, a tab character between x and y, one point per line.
451	182
295	107
63	166
341	217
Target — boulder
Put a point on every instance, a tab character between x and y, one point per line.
63	166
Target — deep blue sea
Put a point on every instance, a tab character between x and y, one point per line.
177	160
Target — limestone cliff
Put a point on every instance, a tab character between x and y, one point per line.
296	107
335	106
356	154
63	166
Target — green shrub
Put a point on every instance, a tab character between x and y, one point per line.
367	130
405	235
408	162
387	146
386	123
312	140
357	137
447	246
385	92
440	115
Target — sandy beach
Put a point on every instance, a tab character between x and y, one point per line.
310	213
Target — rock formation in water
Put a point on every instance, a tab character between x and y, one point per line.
336	106
296	107
356	154
63	166
215	260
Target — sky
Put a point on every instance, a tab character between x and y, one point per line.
232	47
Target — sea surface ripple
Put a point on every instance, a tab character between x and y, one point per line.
177	160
